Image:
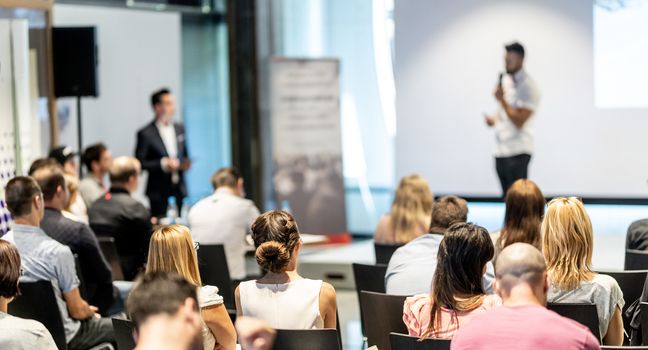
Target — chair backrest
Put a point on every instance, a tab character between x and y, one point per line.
643	315
636	260
382	314
406	342
82	286
311	339
37	302
124	330
583	313
384	252
370	278
214	271
109	250
631	284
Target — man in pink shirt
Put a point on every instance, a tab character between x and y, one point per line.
522	322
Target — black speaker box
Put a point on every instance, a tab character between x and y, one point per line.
75	61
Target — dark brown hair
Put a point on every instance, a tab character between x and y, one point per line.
446	211
464	251
9	269
225	177
92	154
275	234
157	293
49	178
525	207
40	163
19	193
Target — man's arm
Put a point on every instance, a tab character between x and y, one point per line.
78	308
141	152
518	116
93	256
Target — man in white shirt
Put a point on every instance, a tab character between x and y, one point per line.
162	151
518	98
225	218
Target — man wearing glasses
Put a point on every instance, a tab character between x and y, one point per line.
117	214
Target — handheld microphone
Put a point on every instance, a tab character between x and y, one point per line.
501	75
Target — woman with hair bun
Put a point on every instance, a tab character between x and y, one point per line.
283	298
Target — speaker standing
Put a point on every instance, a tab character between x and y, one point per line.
518	99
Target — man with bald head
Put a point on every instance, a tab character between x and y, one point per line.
523	321
117	214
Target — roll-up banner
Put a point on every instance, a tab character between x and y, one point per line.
307	142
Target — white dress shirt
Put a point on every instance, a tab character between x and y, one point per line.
168	135
224	218
520	91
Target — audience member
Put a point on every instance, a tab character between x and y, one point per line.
304	303
409	216
97	160
46	259
525	207
17	333
173	250
96	273
411	268
116	214
634	313
66	158
637	236
522	322
567	245
164	308
225	218
457	293
40	163
72	186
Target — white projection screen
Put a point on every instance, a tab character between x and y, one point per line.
590	139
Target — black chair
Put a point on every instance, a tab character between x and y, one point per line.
37	302
631	284
370	278
214	271
124	330
384	252
406	342
311	339
82	286
643	316
583	313
109	250
610	347
381	314
636	260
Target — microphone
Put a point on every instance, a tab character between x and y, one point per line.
501	75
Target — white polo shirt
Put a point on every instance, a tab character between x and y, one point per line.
224	218
520	91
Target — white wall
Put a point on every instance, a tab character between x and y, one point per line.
448	56
139	52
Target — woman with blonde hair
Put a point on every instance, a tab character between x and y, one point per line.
410	213
283	298
173	250
567	246
525	206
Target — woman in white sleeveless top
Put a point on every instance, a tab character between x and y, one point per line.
173	250
281	297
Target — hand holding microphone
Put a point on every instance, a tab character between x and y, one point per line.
499	93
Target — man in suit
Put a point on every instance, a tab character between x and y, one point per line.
162	151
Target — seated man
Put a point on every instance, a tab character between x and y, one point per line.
164	308
95	271
523	321
120	216
97	160
411	268
46	259
225	218
17	333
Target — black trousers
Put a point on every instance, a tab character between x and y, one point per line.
510	169
159	203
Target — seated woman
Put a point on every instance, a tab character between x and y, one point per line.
283	298
567	245
457	294
172	250
525	207
17	333
410	213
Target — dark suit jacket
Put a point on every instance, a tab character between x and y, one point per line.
150	150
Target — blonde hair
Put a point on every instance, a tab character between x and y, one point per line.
411	209
72	184
172	250
567	243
